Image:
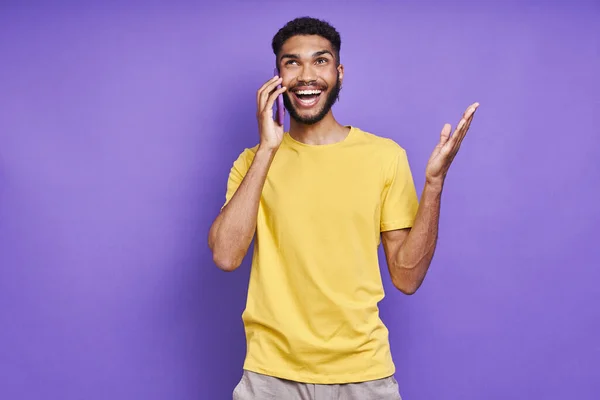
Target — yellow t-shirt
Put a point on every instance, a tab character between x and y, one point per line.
312	310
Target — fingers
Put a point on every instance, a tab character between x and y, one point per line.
468	118
445	134
471	111
451	146
264	86
468	115
273	97
463	125
459	128
263	93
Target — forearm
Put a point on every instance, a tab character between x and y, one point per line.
416	252
232	232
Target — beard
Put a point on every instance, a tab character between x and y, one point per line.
332	97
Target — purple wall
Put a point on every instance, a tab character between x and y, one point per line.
118	126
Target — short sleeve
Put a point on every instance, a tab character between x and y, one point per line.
400	200
237	173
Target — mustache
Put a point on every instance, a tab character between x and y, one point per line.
308	86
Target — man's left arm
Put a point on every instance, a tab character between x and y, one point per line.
409	251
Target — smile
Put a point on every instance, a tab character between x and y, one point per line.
307	98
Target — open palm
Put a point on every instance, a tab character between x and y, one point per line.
447	148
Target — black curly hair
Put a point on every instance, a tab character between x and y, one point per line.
308	26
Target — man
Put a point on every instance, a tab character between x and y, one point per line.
321	198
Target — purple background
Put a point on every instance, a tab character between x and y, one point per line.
118	126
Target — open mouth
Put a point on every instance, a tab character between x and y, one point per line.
307	98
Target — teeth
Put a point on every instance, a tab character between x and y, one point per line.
308	92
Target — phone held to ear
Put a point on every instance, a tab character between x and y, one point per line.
280	110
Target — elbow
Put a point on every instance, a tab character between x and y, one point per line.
224	257
408	288
225	263
221	258
407	282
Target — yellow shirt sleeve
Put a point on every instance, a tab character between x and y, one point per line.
400	200
237	173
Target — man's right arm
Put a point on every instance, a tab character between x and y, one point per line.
232	231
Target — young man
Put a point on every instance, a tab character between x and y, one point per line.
320	199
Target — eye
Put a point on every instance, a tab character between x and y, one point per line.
290	62
322	60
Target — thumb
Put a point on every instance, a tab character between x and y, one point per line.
445	134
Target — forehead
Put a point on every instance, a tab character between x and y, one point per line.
305	45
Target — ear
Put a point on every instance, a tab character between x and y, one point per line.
340	69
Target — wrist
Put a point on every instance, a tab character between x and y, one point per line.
266	151
434	185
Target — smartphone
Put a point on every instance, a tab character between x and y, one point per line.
280	109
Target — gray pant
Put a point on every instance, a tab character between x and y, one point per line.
255	386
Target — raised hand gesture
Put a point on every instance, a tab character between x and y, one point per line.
447	148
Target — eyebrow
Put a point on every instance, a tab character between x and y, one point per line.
316	54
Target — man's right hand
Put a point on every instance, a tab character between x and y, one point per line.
271	133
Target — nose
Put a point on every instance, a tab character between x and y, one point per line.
307	75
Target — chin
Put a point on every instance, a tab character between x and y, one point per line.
310	114
309	118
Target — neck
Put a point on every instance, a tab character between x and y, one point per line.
326	131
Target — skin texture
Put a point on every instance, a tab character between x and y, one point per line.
308	62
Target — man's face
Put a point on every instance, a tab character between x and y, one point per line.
309	70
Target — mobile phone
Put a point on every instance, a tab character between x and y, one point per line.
280	109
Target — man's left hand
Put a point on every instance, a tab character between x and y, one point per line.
446	149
